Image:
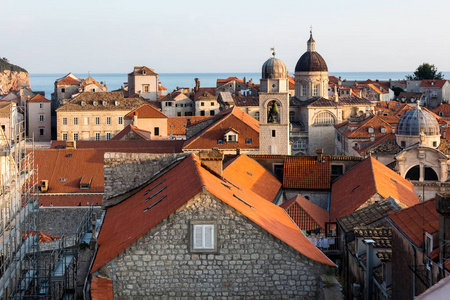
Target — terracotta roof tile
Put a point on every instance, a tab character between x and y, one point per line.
253	176
126	222
179	124
101	288
38	98
353	189
229	79
443	109
145	111
64	168
234	117
205	94
305	214
70	200
415	220
153	146
68	81
433	83
362	130
128	129
305	172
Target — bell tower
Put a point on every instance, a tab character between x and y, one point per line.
274	108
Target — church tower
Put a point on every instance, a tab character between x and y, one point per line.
274	108
311	74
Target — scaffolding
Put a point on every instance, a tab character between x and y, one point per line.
19	238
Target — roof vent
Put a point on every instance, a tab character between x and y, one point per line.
85	183
116	103
83	103
44	186
104	103
95	103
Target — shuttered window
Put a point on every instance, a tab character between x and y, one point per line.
203	237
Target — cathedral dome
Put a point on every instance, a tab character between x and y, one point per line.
274	68
415	121
311	61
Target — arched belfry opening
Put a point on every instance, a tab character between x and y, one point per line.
273	112
430	174
413	173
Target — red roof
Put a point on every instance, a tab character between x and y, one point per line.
252	175
235	118
68	80
433	83
161	88
444	109
291	83
64	169
305	172
179	124
229	79
205	92
305	214
126	130
353	189
38	98
362	130
153	146
101	288
145	111
129	220
70	200
415	220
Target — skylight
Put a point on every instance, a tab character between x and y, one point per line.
159	191
156	202
146	192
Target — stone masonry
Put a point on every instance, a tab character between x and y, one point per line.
249	263
126	171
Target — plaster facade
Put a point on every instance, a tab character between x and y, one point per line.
39	121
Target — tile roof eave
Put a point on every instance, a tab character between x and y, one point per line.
402	233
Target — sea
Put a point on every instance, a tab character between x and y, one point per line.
114	81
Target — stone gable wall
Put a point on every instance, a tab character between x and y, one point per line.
249	263
125	171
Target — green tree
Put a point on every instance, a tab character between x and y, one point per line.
425	71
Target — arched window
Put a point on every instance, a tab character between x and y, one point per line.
273	112
324	118
413	173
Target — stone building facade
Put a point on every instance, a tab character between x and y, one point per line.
247	262
144	82
39	118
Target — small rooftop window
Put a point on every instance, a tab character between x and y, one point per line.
219	142
63	179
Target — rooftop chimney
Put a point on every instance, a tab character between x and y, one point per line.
135	119
443	208
212	160
319	153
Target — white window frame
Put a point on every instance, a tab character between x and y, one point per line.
75	121
64	136
97	120
76	136
108	136
120	121
86	120
64	121
97	136
108	120
41	118
203	236
41	105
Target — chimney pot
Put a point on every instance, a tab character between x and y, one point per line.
212	160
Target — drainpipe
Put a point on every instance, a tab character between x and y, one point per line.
414	272
369	269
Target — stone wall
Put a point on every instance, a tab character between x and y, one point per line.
126	171
249	261
63	221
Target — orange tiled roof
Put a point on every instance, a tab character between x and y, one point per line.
252	175
91	80
126	222
43	237
180	123
70	200
444	108
68	81
391	108
413	221
127	129
305	172
291	83
64	168
333	79
377	141
353	189
305	214
38	98
145	111
205	93
373	122
229	79
101	288
433	83
161	88
377	89
234	117
152	146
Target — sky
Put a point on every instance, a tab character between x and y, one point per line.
171	36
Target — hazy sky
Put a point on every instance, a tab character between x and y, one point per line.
50	36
